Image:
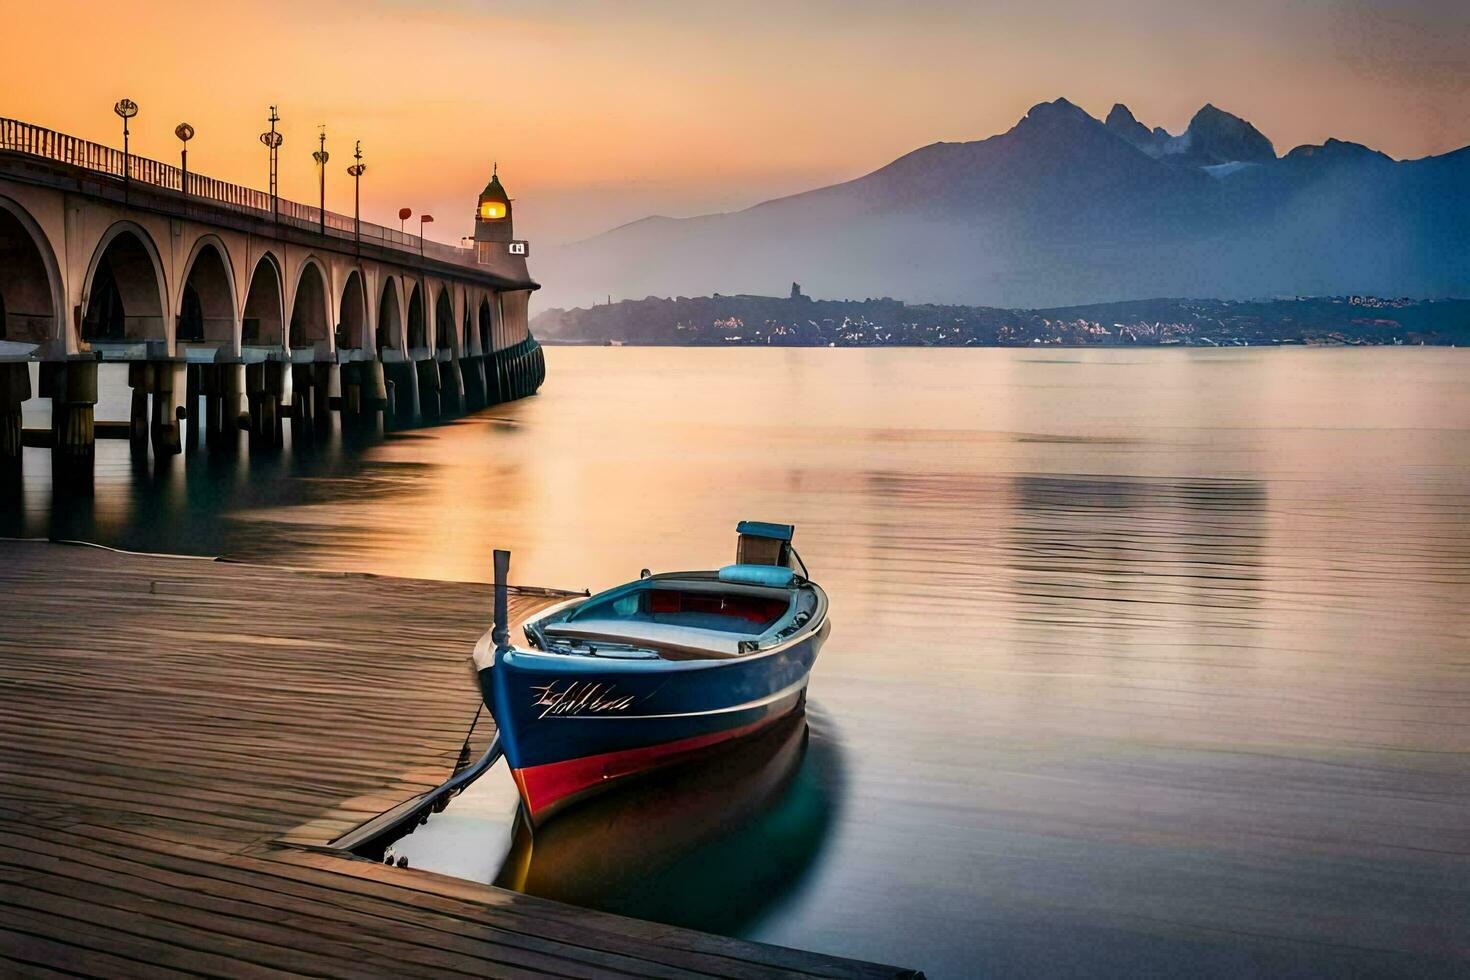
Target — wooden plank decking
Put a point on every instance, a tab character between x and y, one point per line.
172	730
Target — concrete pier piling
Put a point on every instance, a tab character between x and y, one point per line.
349	391
155	405
364	393
168	380
372	396
430	406
473	371
138	372
495	378
231	392
405	402
73	406
264	387
15	390
193	415
326	389
451	387
212	393
303	380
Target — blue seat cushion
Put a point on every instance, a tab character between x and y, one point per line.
776	576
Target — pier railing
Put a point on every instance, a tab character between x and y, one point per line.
22	137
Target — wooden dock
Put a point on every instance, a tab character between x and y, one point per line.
177	735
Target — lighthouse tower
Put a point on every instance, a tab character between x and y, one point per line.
492	214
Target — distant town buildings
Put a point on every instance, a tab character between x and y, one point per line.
799	320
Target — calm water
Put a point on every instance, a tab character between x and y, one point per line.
1143	660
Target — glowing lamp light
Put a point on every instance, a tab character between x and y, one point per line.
492	211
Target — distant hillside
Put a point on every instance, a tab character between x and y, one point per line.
798	321
1064	208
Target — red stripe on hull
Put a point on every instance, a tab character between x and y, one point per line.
545	788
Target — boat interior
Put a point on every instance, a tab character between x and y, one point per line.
681	616
751	605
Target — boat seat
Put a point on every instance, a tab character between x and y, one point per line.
664	636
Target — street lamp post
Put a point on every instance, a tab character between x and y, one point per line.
424	219
272	141
357	170
321	156
185	133
403	215
127	109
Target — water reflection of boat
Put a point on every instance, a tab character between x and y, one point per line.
751	818
653	672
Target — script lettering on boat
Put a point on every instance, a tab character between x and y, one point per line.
579	698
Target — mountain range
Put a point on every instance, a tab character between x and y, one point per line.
1062	209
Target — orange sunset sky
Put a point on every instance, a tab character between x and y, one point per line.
602	112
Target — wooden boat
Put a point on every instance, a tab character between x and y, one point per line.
652	672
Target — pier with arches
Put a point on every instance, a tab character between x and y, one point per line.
235	311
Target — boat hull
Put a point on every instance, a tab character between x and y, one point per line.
571	726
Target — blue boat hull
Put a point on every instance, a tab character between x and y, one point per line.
571	725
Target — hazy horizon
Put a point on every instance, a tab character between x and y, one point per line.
602	113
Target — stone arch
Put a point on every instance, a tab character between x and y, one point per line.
207	299
32	307
352	320
445	336
487	341
265	305
311	307
417	337
390	317
125	290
